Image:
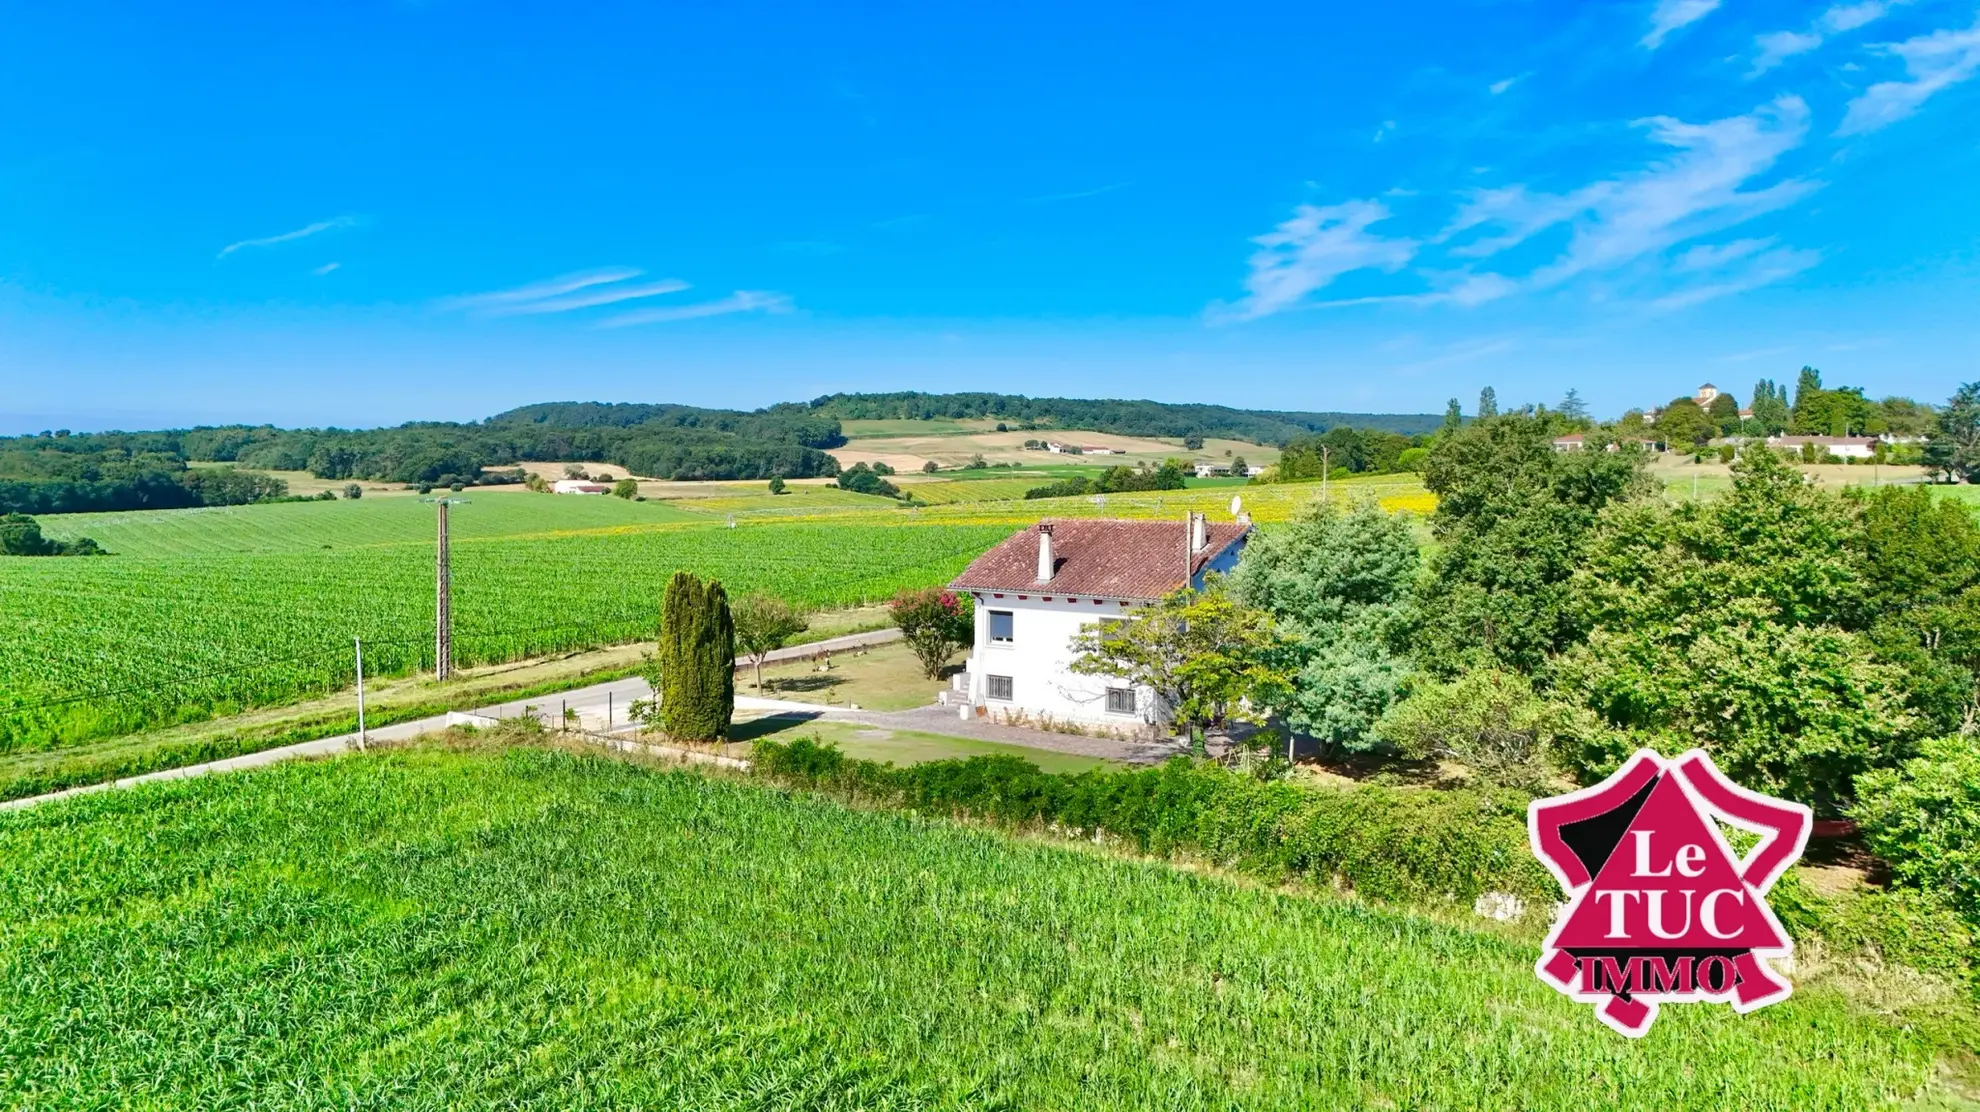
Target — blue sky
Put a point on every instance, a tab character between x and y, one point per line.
366	213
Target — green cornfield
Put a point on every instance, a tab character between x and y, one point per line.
202	613
470	928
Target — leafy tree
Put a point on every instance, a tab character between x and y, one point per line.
1954	450
1924	819
353	491
1573	408
862	479
1905	417
627	489
20	535
1193	442
1239	467
1737	624
777	485
1685	425
929	467
1771	414
1207	657
1488	403
1512	521
763	624
1724	412
537	483
693	666
575	471
936	624
1453	419
1338	586
1489	719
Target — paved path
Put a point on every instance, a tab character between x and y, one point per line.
606	708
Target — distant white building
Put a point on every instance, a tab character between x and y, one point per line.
1706	395
1041	586
578	486
1098	450
1842	447
1207	469
1572	442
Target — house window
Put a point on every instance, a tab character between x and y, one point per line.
1000	627
998	687
1120	700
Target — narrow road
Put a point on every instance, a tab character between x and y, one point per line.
606	708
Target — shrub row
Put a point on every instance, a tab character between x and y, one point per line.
1387	843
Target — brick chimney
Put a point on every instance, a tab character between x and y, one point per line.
1045	565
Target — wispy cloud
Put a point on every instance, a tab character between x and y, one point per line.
1499	87
741	301
495	301
1779	46
1701	190
1935	62
585	299
1316	246
1669	15
1076	195
1626	226
325	269
286	237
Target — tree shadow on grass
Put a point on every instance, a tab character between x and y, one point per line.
770	724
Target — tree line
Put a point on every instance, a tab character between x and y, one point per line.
1121	417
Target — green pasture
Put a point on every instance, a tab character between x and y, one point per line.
534	930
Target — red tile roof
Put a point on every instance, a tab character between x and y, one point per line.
1110	559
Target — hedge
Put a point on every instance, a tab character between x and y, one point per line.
1401	844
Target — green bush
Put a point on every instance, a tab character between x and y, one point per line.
1385	843
1923	818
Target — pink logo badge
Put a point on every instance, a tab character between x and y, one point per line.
1660	909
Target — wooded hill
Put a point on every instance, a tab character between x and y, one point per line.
1118	416
60	472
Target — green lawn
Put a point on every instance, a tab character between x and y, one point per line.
528	929
904	747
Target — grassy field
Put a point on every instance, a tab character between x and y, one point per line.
152	639
528	929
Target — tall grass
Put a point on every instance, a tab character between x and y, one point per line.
529	929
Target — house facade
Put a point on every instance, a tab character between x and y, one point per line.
578	486
1042	586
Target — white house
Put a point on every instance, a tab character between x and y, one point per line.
1037	590
578	486
1842	447
1207	469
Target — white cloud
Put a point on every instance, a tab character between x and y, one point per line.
286	237
596	295
1499	87
1779	46
1935	62
1317	245
1742	270
1669	15
741	301
497	300
325	269
1699	191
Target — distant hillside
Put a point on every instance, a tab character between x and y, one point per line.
1120	416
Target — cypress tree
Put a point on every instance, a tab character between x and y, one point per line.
695	660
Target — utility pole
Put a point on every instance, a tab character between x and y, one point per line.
443	612
1325	453
443	631
358	643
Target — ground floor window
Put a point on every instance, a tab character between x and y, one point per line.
998	687
1120	700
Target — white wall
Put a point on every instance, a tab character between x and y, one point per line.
1038	660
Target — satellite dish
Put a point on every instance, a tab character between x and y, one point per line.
1237	503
